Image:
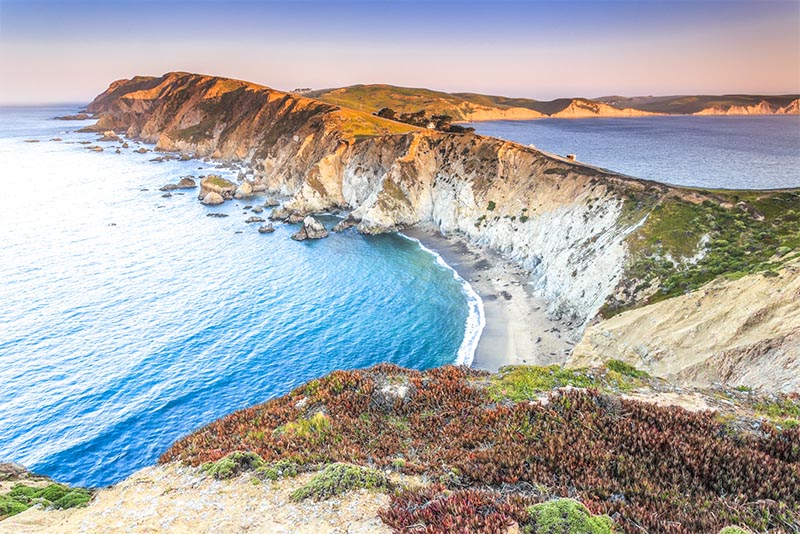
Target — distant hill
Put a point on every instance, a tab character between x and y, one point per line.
372	98
708	104
478	107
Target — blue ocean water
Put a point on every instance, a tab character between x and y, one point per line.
128	320
756	152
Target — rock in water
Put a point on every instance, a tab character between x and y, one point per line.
109	135
258	209
216	184
254	220
244	190
212	199
266	229
271	202
311	229
187	182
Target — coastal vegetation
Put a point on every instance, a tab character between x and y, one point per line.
489	448
684	244
52	496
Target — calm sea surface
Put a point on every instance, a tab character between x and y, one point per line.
758	152
127	320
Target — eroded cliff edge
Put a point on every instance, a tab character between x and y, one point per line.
586	234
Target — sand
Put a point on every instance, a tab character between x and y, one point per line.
518	330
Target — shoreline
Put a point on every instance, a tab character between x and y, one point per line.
517	330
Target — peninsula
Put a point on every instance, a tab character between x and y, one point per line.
675	412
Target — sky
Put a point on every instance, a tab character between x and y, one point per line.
69	51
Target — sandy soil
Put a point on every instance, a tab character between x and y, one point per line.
182	500
518	330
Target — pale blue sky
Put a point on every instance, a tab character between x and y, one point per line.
71	50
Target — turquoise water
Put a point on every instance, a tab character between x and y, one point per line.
128	319
757	152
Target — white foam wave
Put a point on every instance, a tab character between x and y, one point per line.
476	319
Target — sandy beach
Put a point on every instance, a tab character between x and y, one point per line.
518	330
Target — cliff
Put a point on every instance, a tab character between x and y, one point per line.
583	232
743	332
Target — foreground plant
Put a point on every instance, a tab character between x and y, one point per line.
494	449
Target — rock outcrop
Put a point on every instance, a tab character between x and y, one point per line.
742	332
212	198
311	229
217	185
568	223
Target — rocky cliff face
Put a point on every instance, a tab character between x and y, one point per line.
567	222
742	332
762	108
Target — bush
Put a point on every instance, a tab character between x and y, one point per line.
567	516
279	469
625	369
491	205
340	478
10	506
232	465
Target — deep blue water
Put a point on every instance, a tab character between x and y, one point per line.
128	320
757	152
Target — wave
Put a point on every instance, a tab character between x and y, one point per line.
476	319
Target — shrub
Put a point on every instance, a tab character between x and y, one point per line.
10	506
625	369
734	530
340	478
232	465
651	468
491	205
279	469
567	516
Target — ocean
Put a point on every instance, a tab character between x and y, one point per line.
729	152
129	319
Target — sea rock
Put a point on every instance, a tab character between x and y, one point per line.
212	198
56	139
254	220
258	209
76	117
167	195
266	229
311	229
109	135
125	145
31	140
244	190
271	202
217	215
214	183
187	182
95	148
141	150
344	224
117	151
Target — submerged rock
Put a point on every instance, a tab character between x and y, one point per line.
212	199
266	229
311	229
344	224
217	215
141	150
